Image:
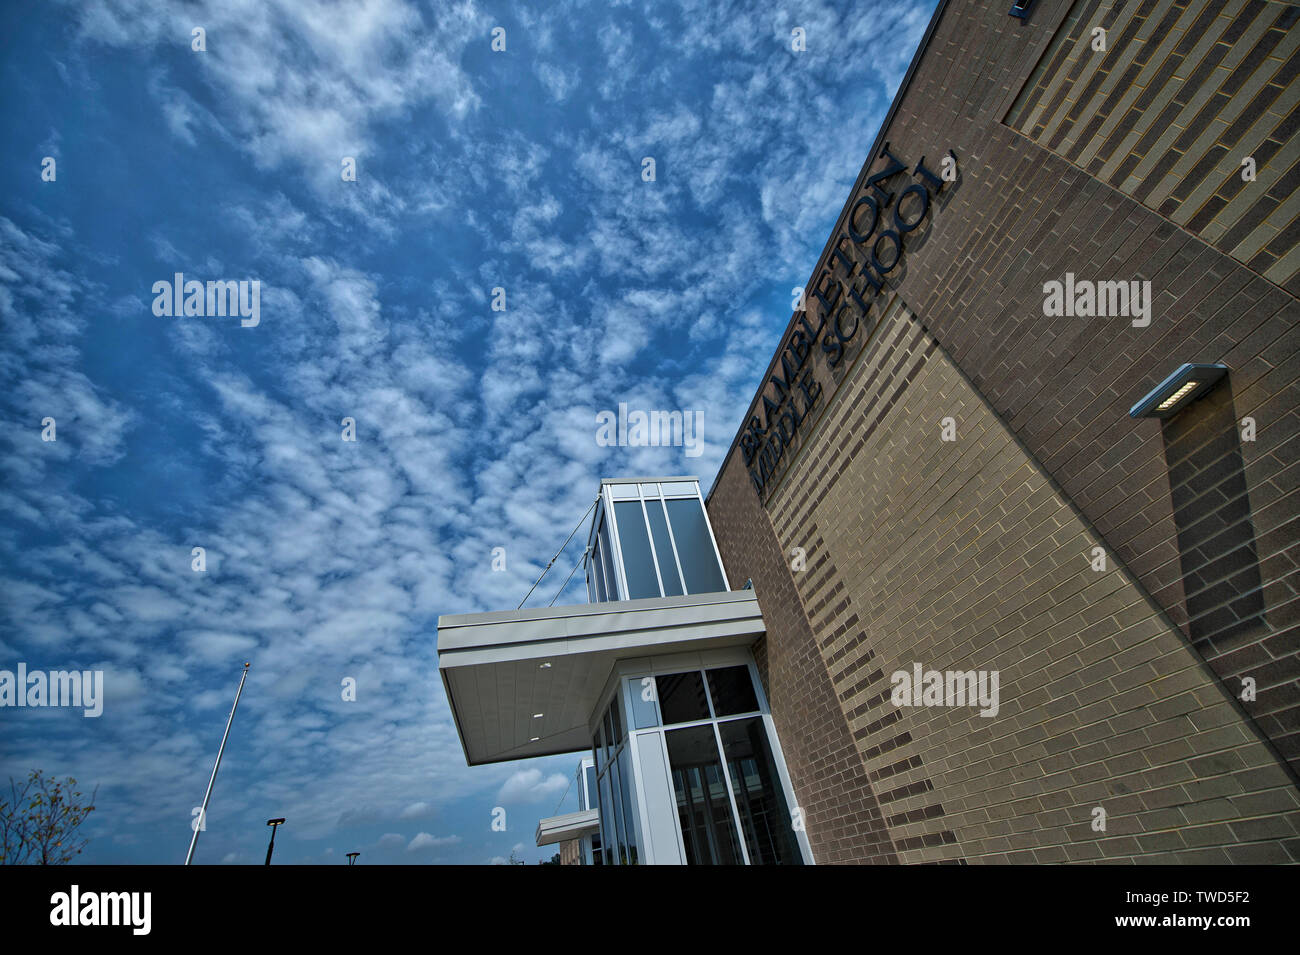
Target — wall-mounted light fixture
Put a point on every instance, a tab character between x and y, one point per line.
1180	389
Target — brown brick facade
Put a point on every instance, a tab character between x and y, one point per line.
1167	112
840	812
1120	688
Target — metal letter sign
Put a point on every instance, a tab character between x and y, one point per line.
846	286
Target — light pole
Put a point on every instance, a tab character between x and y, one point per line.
352	858
274	824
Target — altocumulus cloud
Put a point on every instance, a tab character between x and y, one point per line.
327	559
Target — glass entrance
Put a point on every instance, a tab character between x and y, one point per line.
722	789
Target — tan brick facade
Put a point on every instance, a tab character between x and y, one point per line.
1119	688
571	852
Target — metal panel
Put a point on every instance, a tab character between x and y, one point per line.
658	806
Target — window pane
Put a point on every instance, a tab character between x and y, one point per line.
732	691
616	806
596	751
694	547
607	559
629	817
764	814
607	825
644	714
681	697
679	489
623	492
649	490
606	748
635	542
596	571
616	723
663	549
708	830
589	791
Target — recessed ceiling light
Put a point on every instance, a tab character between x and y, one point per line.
538	716
544	666
534	739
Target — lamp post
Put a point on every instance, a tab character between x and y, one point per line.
274	824
352	858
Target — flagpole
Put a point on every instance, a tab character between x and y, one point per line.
203	813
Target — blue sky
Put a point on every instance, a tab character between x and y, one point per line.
475	428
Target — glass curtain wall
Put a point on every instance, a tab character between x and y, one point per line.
613	765
658	543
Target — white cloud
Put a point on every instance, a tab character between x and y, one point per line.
299	84
216	647
530	786
424	842
558	81
475	428
416	810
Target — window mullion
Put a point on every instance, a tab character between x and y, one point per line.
731	791
672	542
649	533
617	544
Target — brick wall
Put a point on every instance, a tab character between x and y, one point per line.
1166	113
831	787
1121	687
571	852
